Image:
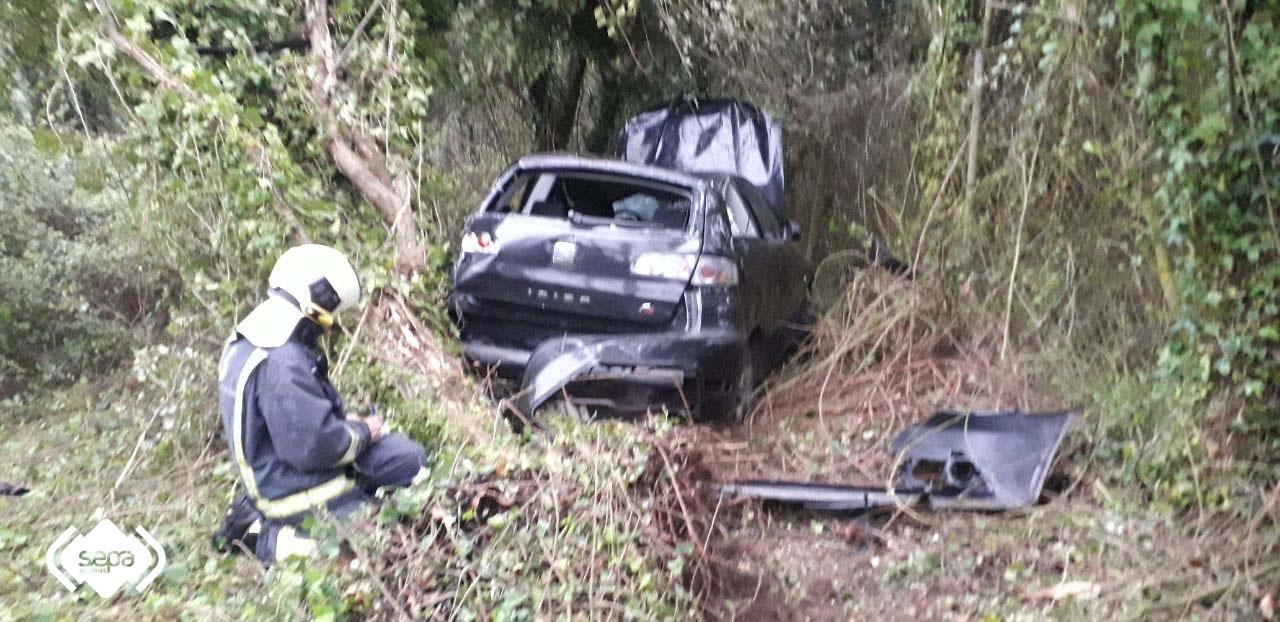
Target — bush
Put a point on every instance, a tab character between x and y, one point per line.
74	288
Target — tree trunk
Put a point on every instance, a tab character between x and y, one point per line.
612	97
555	100
359	159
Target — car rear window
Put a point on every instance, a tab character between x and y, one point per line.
595	199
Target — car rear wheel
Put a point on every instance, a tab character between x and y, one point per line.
798	328
740	401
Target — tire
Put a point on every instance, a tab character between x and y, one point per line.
798	329
741	402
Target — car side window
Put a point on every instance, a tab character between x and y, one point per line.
761	210
740	221
513	198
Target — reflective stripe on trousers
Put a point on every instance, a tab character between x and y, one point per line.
289	543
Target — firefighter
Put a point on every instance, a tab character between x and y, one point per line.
295	448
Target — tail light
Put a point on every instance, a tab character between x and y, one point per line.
715	271
705	270
482	243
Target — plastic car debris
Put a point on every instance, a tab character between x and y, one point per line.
953	461
980	461
823	497
625	373
12	490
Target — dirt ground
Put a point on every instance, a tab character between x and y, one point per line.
1083	552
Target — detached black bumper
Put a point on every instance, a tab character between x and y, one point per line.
691	373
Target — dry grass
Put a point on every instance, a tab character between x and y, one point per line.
608	521
883	358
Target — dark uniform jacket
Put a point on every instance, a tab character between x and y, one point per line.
285	426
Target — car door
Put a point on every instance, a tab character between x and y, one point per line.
787	261
751	252
786	273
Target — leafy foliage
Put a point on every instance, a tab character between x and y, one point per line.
75	282
1115	235
1206	76
568	524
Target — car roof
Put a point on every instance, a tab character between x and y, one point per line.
609	165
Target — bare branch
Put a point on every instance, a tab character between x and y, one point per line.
356	155
359	31
140	56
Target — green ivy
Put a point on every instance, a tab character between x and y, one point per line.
1206	76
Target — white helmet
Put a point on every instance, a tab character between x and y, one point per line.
311	281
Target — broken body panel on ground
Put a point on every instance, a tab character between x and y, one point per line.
953	461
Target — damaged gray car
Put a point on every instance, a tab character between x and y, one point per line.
668	278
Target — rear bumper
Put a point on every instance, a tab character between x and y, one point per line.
692	373
499	336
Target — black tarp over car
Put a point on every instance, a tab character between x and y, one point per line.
701	136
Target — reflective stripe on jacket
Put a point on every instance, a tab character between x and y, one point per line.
285	426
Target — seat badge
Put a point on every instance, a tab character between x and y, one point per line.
563	253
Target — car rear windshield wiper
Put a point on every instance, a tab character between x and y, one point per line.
579	218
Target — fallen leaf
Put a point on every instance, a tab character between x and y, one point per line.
852	533
1267	606
438	513
1066	589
